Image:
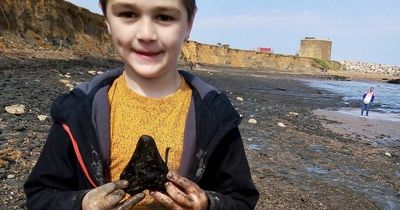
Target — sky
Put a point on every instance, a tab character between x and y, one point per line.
360	30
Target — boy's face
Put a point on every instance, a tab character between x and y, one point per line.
148	34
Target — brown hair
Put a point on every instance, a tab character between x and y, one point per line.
190	6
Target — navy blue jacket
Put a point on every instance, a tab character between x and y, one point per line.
75	157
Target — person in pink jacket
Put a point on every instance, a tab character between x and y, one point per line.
368	98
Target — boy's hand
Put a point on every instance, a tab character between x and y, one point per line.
108	196
181	194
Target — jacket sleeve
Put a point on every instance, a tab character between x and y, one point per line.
227	179
55	182
365	94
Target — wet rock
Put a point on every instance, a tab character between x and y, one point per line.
394	81
15	109
19	128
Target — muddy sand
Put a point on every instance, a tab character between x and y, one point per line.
300	158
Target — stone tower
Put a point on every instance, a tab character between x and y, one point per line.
315	48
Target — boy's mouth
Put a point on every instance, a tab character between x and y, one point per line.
147	53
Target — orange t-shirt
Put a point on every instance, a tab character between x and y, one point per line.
133	115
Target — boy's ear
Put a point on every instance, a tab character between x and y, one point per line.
108	27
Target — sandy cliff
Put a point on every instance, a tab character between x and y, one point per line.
52	23
49	24
203	54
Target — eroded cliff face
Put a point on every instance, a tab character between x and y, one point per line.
49	24
54	22
203	54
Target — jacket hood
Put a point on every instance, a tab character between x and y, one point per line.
66	104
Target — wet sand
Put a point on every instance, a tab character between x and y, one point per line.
297	161
377	127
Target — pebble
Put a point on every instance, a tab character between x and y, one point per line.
100	72
92	72
19	128
252	121
64	81
281	125
294	114
239	98
2	137
42	117
388	154
10	176
15	109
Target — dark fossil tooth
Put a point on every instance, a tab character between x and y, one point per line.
146	169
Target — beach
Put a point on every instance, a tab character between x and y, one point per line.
305	149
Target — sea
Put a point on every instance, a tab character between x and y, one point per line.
387	96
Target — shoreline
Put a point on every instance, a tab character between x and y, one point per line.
296	162
377	127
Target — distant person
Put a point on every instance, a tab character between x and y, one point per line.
368	98
97	125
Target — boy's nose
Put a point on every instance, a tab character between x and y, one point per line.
146	31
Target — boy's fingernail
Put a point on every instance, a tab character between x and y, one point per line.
169	175
151	192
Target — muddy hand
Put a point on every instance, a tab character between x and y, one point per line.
109	196
181	194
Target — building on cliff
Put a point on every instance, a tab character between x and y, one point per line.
315	48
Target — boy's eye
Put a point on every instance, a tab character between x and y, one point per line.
127	14
165	18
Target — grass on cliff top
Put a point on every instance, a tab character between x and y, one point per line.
326	65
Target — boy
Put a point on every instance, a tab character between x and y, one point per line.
96	125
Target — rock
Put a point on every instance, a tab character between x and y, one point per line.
64	81
92	72
394	81
67	76
3	163
16	109
19	128
252	121
10	176
281	125
10	154
294	114
2	137
388	154
42	117
100	72
2	171
69	85
239	99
